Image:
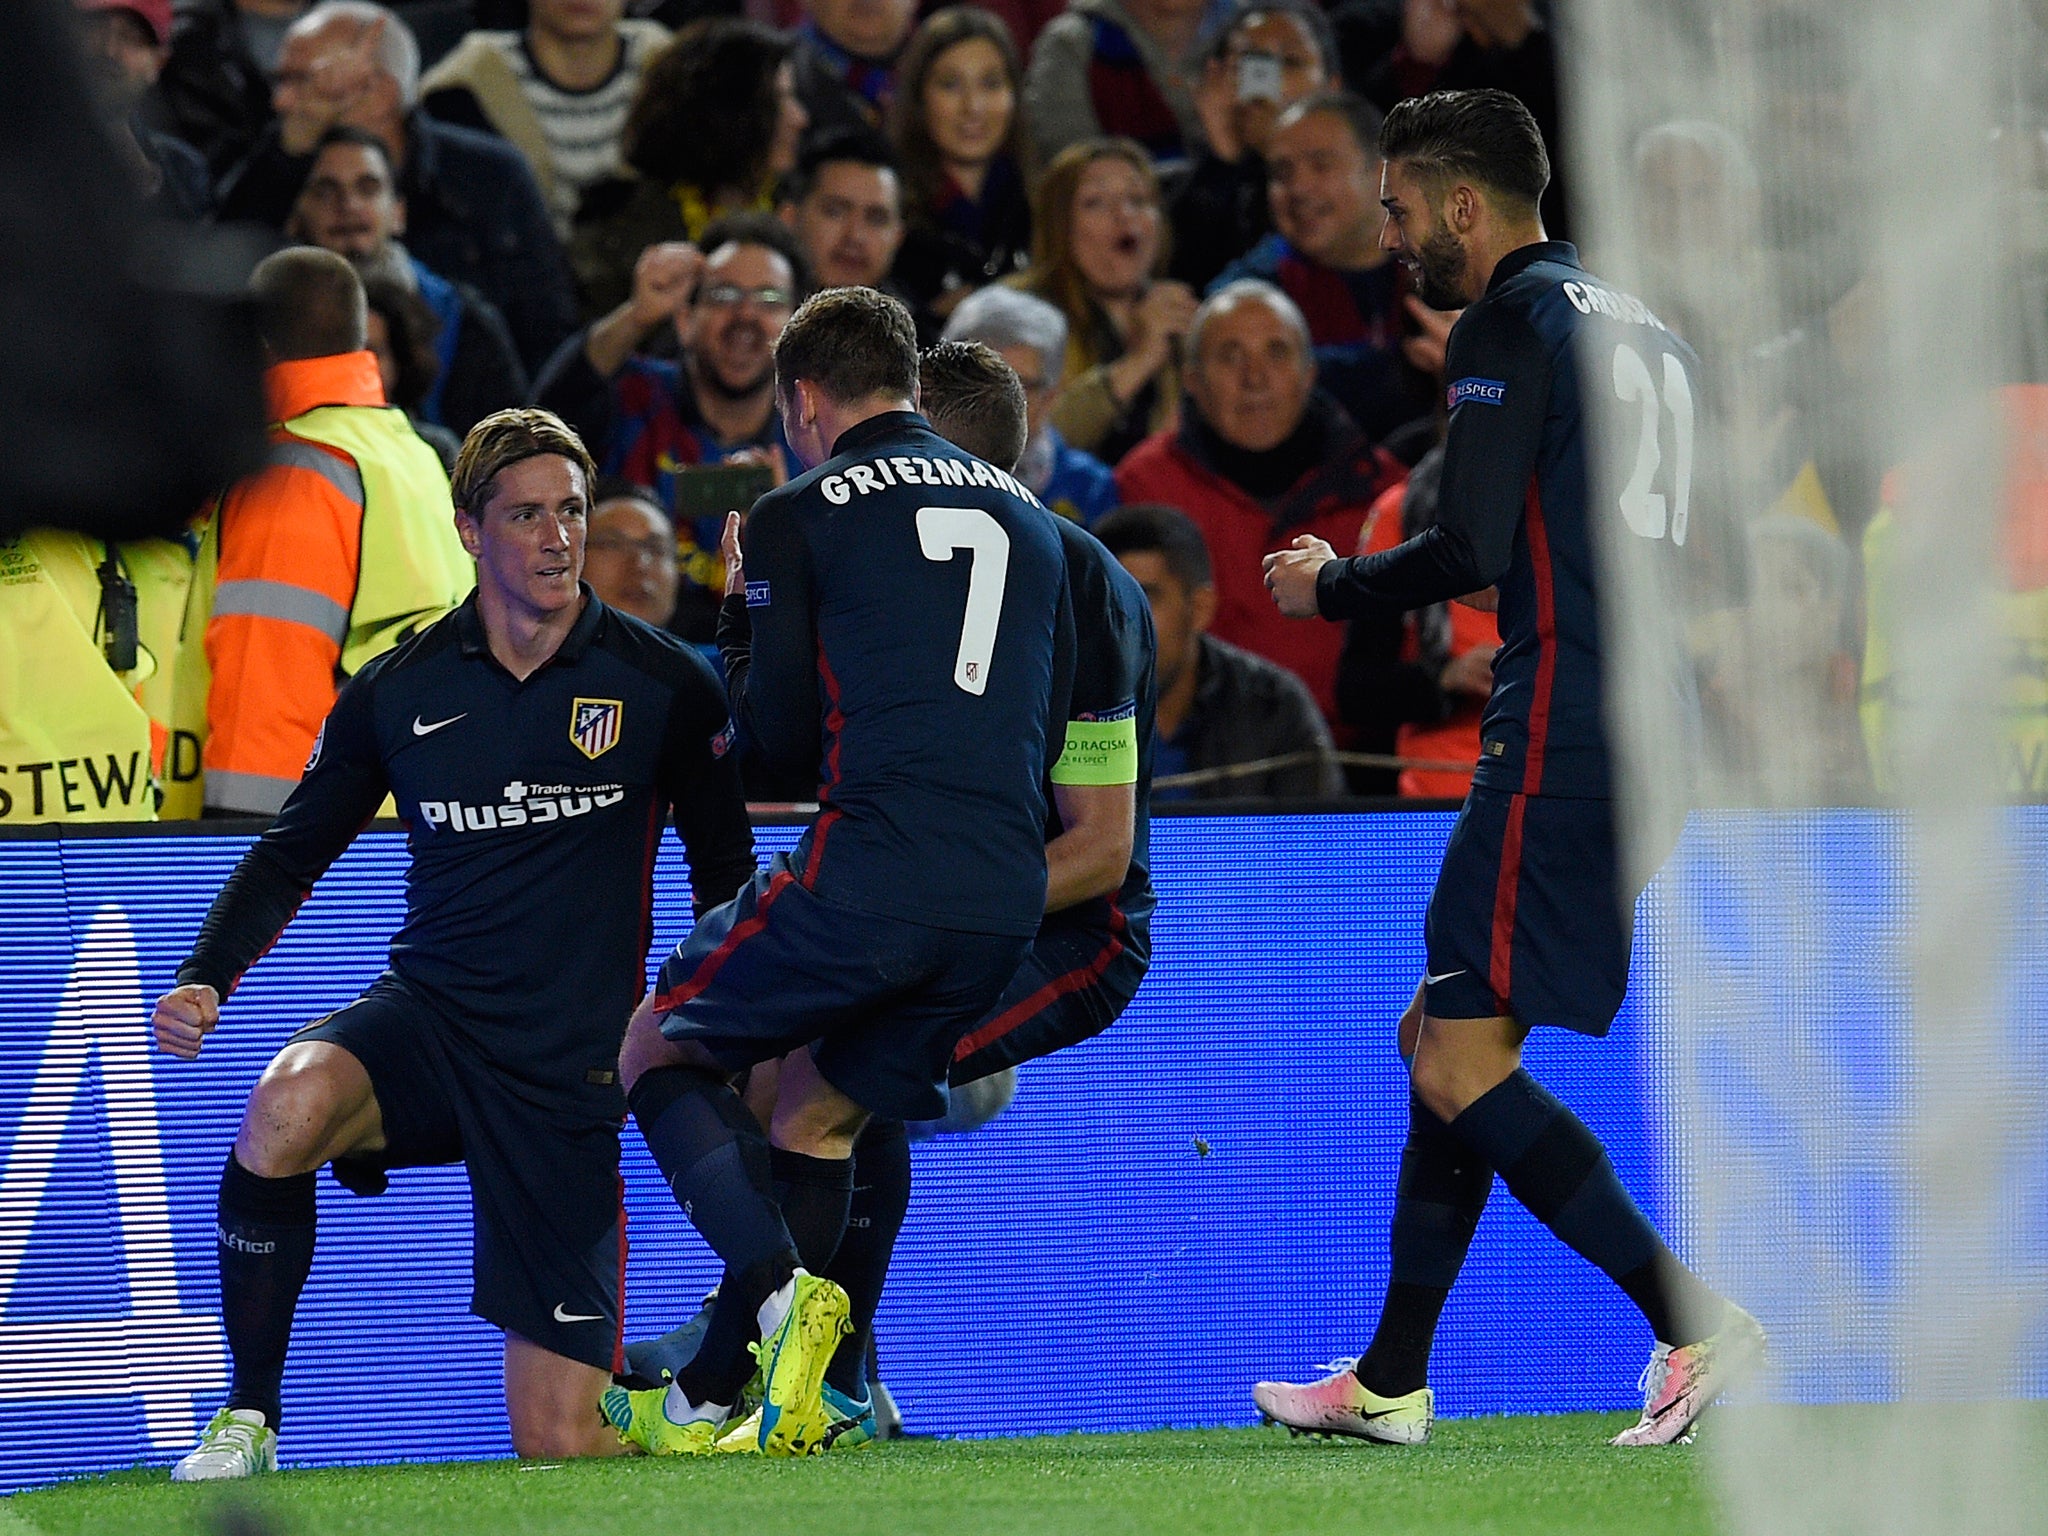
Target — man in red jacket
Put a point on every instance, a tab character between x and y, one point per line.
1261	456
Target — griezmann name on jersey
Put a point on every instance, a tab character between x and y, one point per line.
911	645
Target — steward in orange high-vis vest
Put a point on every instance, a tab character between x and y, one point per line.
339	548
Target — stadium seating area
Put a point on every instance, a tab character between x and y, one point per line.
610	208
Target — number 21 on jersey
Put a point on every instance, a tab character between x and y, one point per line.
940	532
1647	511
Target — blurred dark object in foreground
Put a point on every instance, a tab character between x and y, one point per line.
130	379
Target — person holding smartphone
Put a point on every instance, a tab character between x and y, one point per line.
1271	54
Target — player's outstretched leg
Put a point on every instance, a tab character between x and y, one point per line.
1557	1167
802	1324
264	1229
314	1102
814	1193
721	1169
1385	1394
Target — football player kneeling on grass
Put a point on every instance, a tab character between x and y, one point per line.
531	739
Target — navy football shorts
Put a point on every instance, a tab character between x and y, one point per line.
1530	918
550	1256
1076	982
881	1002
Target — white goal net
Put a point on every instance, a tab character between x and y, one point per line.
1840	204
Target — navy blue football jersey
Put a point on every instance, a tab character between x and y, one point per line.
533	811
912	645
1546	354
1115	653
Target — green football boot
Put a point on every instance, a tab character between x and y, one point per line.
793	1358
641	1418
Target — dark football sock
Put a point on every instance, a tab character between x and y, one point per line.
1678	1304
719	1369
1437	1204
714	1155
1556	1167
651	1362
813	1193
881	1195
264	1233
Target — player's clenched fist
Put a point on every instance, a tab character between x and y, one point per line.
1291	575
184	1017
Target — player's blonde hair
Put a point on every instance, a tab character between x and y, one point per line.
503	439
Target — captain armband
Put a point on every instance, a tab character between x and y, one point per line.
1099	752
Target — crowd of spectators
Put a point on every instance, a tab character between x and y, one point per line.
1163	214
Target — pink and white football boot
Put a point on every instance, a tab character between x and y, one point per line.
1339	1404
1679	1385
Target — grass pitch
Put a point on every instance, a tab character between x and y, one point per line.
1512	1476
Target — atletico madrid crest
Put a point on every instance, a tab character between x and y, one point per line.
594	725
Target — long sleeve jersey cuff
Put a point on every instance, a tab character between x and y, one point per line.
252	909
1433	567
736	627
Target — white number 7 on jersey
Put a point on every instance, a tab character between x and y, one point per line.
940	531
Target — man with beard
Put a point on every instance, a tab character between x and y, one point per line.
1529	923
351	205
126	44
651	418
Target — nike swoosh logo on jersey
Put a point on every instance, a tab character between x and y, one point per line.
1429	980
420	728
574	1317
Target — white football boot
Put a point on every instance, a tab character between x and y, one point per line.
236	1444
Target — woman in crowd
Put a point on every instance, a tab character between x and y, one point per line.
959	144
715	123
1098	249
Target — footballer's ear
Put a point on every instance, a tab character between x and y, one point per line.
467	530
1461	207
